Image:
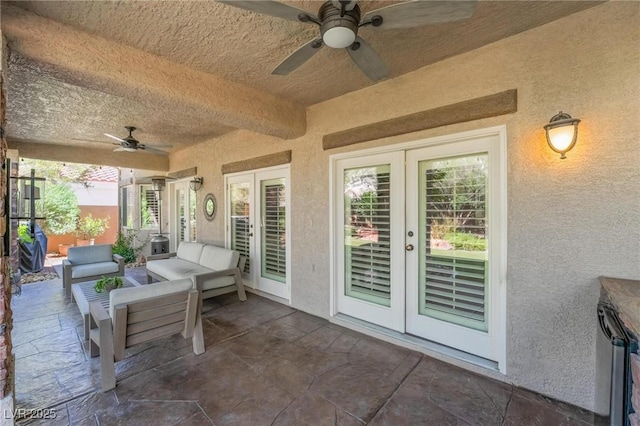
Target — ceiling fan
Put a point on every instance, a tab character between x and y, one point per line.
340	20
131	144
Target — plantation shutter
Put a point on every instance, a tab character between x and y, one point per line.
149	207
454	274
127	201
130	206
181	214
240	209
274	253
368	234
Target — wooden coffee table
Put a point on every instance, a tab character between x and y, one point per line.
83	294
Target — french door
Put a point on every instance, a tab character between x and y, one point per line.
419	242
369	239
257	224
183	215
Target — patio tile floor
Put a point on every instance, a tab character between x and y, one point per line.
265	363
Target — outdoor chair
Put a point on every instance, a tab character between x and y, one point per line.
88	263
138	315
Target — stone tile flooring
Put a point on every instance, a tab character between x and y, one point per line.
264	364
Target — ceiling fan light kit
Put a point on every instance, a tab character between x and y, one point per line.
339	21
339	27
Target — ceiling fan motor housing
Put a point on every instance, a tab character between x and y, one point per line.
338	31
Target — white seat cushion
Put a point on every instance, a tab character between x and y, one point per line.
174	269
189	251
91	269
218	258
136	294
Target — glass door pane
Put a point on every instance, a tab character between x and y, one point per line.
369	226
240	208
367	232
274	230
453	243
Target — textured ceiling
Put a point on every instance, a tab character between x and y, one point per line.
230	44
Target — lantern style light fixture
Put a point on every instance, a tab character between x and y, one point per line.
562	133
157	184
195	183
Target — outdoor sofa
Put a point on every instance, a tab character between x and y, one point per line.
215	270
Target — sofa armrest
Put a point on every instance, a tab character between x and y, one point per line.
120	261
199	279
161	256
98	318
102	343
66	277
98	313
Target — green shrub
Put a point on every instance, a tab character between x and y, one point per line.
125	247
24	235
89	227
60	209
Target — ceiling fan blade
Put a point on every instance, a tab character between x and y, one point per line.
114	137
273	8
416	13
158	145
368	60
153	150
119	149
94	141
299	57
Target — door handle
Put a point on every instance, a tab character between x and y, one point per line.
409	247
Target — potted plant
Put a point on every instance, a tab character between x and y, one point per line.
88	228
106	284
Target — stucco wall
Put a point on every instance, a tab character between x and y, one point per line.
569	221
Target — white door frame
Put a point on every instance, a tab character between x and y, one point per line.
282	171
501	210
173	214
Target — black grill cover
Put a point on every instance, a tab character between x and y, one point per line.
32	255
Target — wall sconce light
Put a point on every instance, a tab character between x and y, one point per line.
562	133
157	184
195	183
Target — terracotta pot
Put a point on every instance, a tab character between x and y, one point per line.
64	248
81	243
